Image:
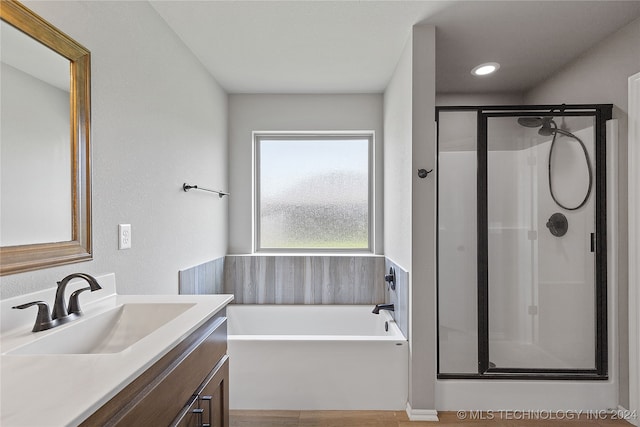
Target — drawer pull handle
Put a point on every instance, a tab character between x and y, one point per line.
199	412
208	399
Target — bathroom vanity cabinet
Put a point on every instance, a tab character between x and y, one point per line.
186	387
130	360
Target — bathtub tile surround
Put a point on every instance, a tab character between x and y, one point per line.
301	280
258	279
400	296
203	279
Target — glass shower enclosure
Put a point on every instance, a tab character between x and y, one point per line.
522	242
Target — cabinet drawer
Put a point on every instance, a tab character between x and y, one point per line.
157	395
210	407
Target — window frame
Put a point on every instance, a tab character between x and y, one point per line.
259	136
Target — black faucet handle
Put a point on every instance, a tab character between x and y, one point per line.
43	318
41	305
74	304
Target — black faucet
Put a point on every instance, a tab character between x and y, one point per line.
59	306
378	307
59	314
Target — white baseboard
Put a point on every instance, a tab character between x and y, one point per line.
422	414
628	415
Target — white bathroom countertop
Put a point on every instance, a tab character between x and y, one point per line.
64	389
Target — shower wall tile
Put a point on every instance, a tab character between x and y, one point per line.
399	297
206	278
304	279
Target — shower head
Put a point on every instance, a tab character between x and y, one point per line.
534	122
544	123
530	122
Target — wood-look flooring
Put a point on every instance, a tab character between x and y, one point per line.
398	419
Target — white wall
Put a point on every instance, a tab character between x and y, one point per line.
397	161
248	113
158	119
600	76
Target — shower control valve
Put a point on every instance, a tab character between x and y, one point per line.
391	278
558	224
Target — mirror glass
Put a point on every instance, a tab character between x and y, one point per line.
45	188
35	154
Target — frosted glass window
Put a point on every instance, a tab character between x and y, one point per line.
313	192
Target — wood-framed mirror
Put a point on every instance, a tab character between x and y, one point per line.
45	197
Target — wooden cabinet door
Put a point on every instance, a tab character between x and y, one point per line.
214	396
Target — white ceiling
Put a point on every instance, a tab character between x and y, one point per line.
531	40
353	46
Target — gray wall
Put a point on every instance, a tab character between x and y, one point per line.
423	213
600	76
461	99
158	119
248	113
410	216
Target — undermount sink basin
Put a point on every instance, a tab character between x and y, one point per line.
109	332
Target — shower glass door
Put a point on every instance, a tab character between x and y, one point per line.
457	242
522	242
540	222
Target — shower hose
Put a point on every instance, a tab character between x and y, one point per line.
555	132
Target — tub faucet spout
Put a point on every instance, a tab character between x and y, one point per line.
378	307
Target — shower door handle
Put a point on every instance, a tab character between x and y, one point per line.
593	242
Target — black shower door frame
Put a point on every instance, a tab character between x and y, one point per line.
601	113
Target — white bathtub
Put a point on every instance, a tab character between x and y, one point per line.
326	357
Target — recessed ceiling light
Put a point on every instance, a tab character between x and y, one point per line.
486	68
